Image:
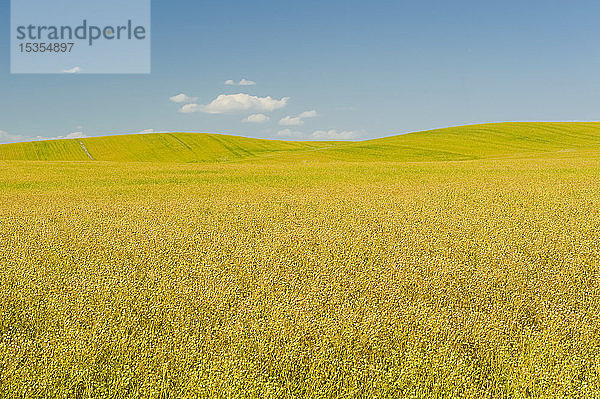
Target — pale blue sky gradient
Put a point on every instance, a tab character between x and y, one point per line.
373	68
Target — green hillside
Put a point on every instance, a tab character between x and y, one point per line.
493	140
456	143
157	147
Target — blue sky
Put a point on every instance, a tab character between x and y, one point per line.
366	69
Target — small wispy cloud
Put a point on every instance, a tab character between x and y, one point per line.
183	99
297	120
6	138
147	131
290	121
256	118
243	82
324	135
291	134
72	70
73	135
190	108
334	135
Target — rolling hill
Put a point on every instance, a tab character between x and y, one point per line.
511	139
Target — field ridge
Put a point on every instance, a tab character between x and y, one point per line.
493	140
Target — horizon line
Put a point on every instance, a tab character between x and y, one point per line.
42	139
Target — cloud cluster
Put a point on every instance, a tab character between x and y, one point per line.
291	134
333	134
243	82
74	135
297	120
324	135
256	108
183	99
11	138
232	103
6	138
256	118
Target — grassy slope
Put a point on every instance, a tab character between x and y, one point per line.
159	147
456	143
494	140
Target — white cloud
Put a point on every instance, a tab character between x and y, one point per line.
291	121
74	135
147	131
189	108
333	135
256	118
308	114
182	99
72	70
246	82
11	138
231	103
243	82
291	134
297	120
318	135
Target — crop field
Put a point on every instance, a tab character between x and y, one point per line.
462	262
